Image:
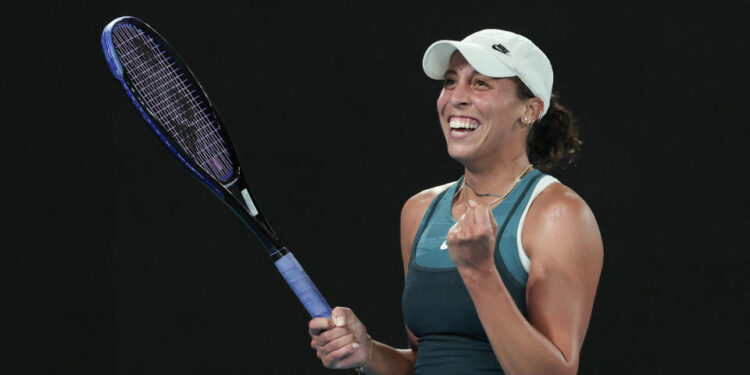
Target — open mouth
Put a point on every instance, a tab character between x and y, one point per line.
461	126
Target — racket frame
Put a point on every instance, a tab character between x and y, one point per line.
234	193
242	204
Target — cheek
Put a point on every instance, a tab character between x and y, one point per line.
497	110
441	101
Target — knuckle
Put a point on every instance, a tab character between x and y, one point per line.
327	348
331	361
326	336
334	356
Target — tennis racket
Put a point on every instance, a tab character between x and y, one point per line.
177	109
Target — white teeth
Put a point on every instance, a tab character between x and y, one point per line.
462	123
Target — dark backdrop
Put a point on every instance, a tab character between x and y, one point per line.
118	262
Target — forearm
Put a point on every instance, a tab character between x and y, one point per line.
519	346
389	360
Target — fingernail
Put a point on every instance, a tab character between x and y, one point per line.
355	346
339	321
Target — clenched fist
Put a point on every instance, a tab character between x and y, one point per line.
471	241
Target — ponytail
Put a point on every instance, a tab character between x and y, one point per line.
553	140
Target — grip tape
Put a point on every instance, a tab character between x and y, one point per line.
303	287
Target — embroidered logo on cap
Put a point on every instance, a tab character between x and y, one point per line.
500	48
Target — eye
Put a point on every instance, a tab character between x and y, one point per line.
449	82
481	83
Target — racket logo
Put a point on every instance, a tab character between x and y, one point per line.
217	165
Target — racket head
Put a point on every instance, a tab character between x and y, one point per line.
177	109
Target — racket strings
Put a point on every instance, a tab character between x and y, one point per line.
174	100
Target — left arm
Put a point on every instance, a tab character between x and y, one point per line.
563	242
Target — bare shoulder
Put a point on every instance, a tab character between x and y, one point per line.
562	239
411	215
417	205
560	216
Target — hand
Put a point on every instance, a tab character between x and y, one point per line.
471	241
342	342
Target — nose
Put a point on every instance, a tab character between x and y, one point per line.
460	96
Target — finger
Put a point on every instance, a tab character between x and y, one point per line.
450	237
455	233
480	216
339	343
471	212
324	350
493	222
338	358
454	229
327	336
461	219
318	325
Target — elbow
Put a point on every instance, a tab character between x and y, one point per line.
563	366
550	368
559	369
570	369
567	367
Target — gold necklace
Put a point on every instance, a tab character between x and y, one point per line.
499	197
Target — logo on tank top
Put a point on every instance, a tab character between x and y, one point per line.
444	246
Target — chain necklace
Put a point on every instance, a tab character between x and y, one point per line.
499	197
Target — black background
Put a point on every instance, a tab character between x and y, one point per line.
118	262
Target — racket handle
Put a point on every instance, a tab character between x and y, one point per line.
303	287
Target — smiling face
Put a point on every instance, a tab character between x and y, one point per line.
480	116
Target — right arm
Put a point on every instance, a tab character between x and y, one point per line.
344	344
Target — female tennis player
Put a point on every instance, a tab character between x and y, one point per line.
502	265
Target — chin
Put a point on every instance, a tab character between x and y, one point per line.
460	153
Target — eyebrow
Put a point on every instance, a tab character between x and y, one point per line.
474	73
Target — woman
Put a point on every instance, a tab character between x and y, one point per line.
502	265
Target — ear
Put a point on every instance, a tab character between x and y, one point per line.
533	108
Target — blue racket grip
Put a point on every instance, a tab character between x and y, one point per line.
303	287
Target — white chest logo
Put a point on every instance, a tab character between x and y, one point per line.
444	246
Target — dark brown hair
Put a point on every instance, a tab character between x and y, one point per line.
553	140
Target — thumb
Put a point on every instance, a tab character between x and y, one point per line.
493	222
342	316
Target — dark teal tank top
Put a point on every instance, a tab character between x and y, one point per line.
436	305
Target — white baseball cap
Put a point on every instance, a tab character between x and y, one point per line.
497	54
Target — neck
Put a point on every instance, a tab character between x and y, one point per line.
495	178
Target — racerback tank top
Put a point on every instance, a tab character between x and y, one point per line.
437	307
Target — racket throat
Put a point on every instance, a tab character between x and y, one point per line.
255	213
249	202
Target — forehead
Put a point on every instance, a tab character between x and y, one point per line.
458	61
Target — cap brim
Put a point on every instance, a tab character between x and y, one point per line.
436	60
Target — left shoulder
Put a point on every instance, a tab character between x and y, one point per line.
559	203
559	217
